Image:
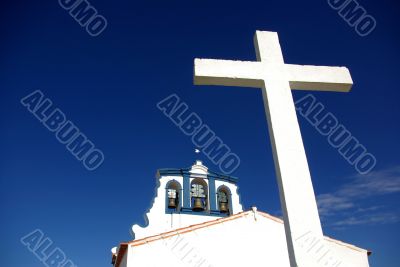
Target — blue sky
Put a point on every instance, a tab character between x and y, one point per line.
109	85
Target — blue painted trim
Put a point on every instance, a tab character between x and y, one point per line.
186	191
214	213
180	172
185	199
212	194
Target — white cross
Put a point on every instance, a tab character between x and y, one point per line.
277	79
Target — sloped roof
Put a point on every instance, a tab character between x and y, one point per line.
123	246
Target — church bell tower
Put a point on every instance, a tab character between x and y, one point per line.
189	196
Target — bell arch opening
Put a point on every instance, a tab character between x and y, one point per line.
224	199
199	195
173	195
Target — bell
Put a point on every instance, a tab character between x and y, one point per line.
223	207
198	204
172	203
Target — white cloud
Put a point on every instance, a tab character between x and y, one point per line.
328	204
373	184
345	201
379	218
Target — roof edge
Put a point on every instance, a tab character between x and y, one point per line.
120	254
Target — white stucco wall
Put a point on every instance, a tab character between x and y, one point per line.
352	257
250	240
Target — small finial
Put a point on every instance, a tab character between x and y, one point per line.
254	209
198	162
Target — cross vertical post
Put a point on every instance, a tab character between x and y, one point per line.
276	80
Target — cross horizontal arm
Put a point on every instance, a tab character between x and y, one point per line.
319	78
227	73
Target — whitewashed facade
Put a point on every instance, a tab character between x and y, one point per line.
216	231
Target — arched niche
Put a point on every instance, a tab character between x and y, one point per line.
199	195
173	196
224	200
